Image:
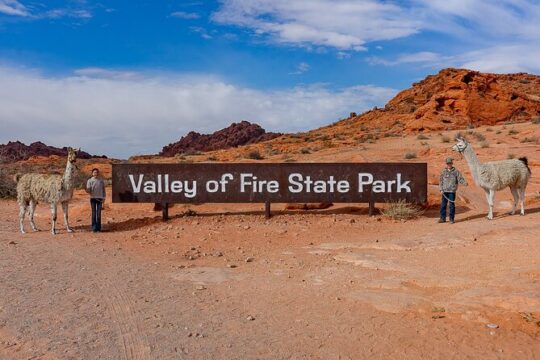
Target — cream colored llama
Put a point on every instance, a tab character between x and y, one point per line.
52	189
497	175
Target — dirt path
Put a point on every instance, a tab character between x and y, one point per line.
330	285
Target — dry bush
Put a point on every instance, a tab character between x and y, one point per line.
513	132
489	129
536	120
401	210
422	137
532	139
410	155
445	139
255	155
510	156
484	144
8	187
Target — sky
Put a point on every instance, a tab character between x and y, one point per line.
127	77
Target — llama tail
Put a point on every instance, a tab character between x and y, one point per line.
526	162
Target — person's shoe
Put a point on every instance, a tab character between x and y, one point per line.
441	221
452	221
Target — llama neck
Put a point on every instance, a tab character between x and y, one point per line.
472	160
68	176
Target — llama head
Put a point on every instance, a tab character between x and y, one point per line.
72	155
460	145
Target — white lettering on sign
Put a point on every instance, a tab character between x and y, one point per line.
380	186
299	183
257	186
163	185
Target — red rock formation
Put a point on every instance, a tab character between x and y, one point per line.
458	98
237	134
15	151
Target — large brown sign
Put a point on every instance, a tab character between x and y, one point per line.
269	182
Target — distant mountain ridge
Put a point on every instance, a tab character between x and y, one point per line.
237	134
16	151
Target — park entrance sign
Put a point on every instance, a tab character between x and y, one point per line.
269	183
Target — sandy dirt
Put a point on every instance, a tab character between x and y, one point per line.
230	284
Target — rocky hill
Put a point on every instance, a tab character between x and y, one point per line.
15	151
242	133
456	99
452	99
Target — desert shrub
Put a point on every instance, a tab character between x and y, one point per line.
410	155
422	137
212	158
513	132
484	144
80	178
510	122
324	138
401	210
305	151
489	129
510	156
8	187
189	212
255	155
445	139
536	120
532	139
498	132
479	136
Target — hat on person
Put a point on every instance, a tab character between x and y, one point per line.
449	160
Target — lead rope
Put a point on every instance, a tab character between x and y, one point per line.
452	201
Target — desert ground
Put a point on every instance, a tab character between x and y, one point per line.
222	282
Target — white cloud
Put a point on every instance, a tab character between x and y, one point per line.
342	24
13	7
185	15
122	116
301	68
201	31
486	31
16	8
503	59
419	57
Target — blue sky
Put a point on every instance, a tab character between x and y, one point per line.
136	75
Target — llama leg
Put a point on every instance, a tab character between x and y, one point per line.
65	206
516	198
22	211
522	199
53	218
31	215
491	200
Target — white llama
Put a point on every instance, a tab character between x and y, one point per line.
497	175
52	189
